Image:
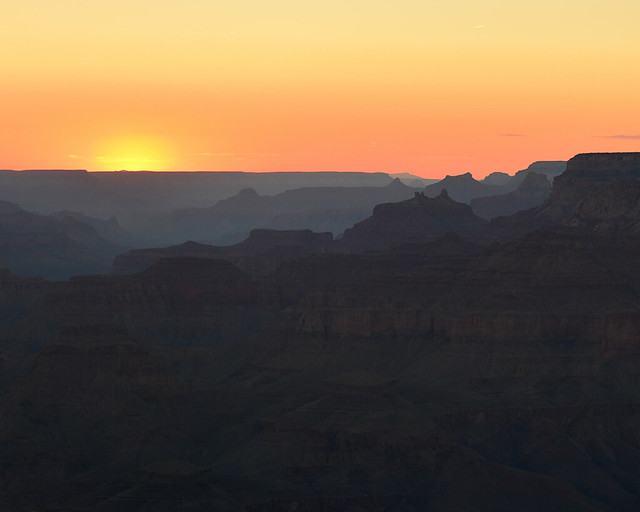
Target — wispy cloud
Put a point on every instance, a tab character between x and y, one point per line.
240	155
620	136
512	135
479	26
74	156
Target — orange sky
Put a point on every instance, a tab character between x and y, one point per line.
426	87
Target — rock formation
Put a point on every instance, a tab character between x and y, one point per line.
229	221
416	220
532	192
260	253
123	194
508	183
612	209
462	188
585	174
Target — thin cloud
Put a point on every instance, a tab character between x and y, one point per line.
241	155
621	136
512	135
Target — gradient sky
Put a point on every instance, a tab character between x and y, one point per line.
420	86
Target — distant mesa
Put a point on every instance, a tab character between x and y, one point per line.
462	188
415	220
260	253
126	195
532	192
550	168
465	188
230	220
497	179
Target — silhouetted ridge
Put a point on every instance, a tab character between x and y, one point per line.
428	375
497	179
585	174
247	192
260	253
230	220
416	220
397	184
532	192
462	188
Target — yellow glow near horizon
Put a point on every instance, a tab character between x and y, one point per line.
132	153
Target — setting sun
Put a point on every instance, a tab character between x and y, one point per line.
134	153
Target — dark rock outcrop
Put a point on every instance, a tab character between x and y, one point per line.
612	209
585	174
416	220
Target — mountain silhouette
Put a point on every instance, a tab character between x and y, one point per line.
428	374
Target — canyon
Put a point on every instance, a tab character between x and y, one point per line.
427	360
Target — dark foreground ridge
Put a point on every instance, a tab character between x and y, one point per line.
425	375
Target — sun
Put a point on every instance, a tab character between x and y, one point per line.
135	153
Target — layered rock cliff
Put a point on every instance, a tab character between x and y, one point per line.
585	174
588	172
612	209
